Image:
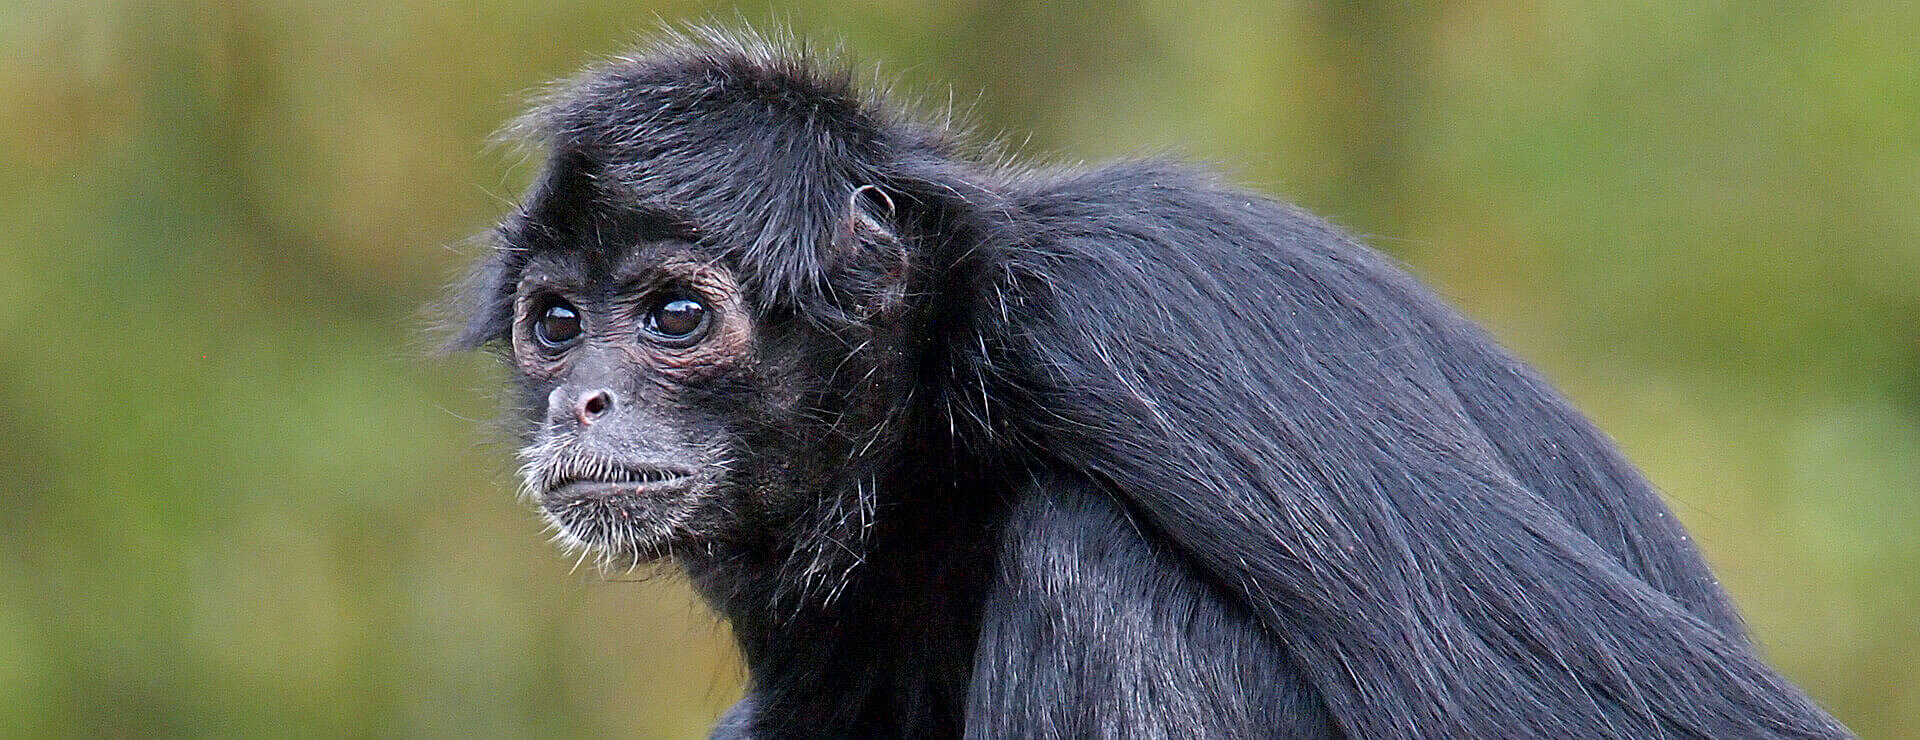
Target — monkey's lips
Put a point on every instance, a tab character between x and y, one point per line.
623	513
617	483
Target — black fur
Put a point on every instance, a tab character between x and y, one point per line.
1120	452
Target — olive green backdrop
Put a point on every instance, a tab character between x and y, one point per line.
239	497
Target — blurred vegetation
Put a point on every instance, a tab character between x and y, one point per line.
240	502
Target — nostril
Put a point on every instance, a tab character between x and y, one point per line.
592	406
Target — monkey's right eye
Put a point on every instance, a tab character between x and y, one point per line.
557	324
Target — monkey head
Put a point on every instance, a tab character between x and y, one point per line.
715	300
673	406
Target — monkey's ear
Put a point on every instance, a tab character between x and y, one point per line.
869	255
871	209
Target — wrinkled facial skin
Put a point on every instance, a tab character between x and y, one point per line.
642	358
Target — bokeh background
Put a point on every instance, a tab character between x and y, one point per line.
239	496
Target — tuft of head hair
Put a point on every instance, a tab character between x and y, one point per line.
751	144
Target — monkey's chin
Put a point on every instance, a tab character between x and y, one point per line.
623	523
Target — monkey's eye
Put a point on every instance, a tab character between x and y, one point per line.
557	324
677	320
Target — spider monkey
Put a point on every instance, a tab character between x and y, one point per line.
966	448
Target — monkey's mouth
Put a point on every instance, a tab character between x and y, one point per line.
613	482
625	514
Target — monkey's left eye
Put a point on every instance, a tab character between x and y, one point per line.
678	320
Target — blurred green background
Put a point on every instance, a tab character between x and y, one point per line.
240	497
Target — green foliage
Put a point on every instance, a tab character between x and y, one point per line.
243	499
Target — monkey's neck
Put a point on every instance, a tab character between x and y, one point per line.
889	651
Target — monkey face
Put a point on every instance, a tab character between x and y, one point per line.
668	412
622	359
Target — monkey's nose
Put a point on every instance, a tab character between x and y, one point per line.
593	405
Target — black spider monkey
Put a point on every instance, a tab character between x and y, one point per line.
964	448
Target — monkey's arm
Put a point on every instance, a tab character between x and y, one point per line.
1094	630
